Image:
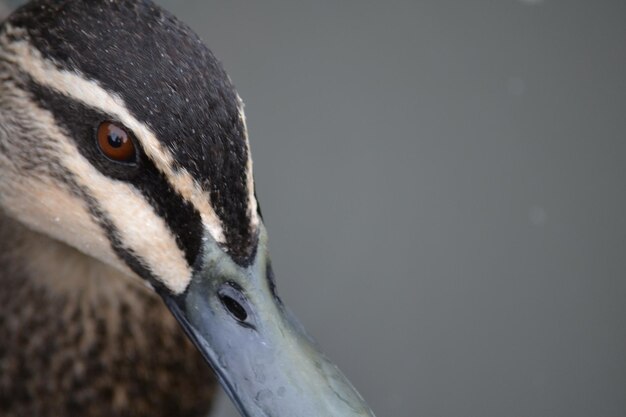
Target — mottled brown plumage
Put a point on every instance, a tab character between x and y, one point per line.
79	339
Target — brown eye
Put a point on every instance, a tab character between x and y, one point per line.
115	142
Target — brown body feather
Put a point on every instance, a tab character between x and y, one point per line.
78	338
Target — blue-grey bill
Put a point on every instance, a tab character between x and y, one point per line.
266	363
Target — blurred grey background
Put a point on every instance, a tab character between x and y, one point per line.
444	183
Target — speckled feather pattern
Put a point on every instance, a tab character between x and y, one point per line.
104	347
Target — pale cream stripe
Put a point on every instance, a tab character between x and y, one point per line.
252	203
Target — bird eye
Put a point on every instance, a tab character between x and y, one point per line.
115	142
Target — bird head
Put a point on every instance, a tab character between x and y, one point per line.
122	136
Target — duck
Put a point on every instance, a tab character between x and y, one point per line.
134	267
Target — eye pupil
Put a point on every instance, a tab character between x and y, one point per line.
115	140
234	307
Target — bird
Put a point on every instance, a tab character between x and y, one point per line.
134	266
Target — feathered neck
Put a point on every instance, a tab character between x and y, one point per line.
80	338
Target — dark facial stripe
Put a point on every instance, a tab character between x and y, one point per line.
131	259
168	79
81	122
